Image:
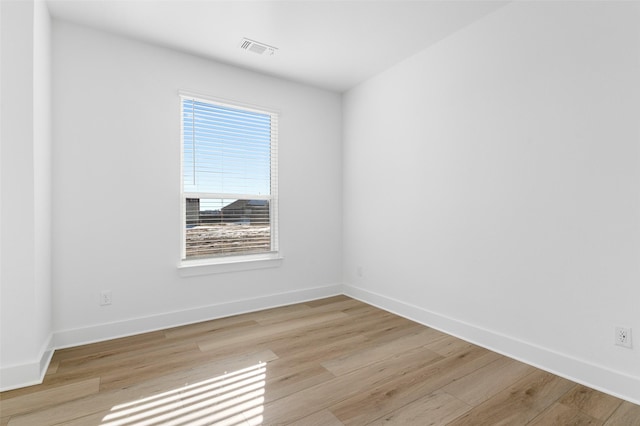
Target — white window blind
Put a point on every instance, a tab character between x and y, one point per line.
229	179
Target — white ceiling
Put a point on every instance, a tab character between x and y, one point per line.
333	44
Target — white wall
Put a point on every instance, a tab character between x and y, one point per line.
42	165
492	187
26	324
117	184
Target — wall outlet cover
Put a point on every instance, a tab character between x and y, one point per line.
623	337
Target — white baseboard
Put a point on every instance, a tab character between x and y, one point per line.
595	376
27	374
114	330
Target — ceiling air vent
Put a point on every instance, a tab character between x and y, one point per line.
257	47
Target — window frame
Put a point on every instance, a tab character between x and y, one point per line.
237	261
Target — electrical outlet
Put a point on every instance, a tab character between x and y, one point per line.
105	297
623	337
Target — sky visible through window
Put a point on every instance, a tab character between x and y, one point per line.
226	150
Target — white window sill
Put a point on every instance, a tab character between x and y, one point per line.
192	268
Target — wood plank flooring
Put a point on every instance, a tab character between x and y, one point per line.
328	362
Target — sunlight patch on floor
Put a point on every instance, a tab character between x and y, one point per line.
234	398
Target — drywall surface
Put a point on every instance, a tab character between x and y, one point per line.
116	187
42	169
492	186
26	195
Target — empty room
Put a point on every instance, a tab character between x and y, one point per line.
320	212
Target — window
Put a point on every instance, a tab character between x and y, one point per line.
229	180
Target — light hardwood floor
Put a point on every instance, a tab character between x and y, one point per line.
328	362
